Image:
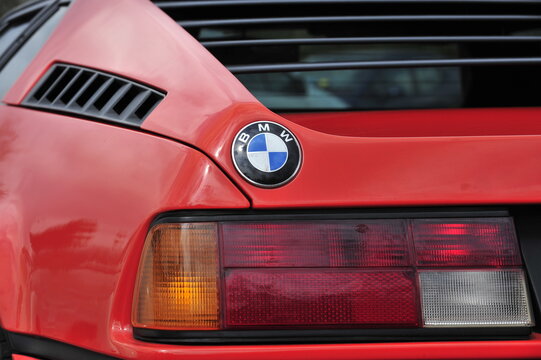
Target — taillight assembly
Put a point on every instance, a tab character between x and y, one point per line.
332	274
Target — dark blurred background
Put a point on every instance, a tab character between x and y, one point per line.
6	5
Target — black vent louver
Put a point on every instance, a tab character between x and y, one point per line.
93	94
319	55
492	32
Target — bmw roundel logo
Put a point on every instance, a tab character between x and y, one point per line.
266	154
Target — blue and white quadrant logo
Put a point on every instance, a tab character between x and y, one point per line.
266	154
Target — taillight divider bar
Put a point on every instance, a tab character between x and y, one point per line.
337	335
327	214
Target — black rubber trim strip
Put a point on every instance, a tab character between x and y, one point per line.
247	337
203	3
342	65
371	40
5	347
328	214
44	14
24	10
48	349
341	19
27	9
528	227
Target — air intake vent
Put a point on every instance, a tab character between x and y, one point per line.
95	94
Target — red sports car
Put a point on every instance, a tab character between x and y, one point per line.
270	179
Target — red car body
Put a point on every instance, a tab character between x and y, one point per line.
77	196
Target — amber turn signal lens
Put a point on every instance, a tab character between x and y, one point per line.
177	284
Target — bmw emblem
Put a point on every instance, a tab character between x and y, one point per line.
266	154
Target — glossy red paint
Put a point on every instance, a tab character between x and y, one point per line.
343	171
423	123
76	201
22	357
76	197
206	106
526	349
135	39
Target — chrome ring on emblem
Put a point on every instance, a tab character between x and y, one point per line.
266	154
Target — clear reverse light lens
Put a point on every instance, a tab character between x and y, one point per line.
474	298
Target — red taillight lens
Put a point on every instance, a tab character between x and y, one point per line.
347	243
466	242
360	273
318	297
